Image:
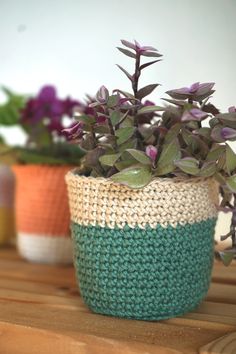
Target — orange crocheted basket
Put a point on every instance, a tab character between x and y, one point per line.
41	200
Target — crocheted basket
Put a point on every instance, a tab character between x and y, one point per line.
42	214
143	254
7	220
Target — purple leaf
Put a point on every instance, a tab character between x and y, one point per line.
130	77
228	133
74	132
147	47
128	44
102	94
194	87
149	63
216	134
146	90
194	114
205	88
151	54
127	52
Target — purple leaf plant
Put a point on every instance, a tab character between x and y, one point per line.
122	132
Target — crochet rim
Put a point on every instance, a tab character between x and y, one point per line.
74	174
100	201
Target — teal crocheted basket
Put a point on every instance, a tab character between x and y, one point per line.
143	254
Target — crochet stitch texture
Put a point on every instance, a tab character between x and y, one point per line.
143	268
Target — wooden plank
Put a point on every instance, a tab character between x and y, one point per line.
224	345
223	293
40	308
38	288
225	275
34	341
182	338
22	270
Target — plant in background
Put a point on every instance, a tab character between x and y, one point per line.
133	141
42	118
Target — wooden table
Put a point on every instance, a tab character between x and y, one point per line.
41	312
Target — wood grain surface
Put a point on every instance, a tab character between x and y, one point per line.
41	312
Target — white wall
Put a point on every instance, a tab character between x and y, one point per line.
71	43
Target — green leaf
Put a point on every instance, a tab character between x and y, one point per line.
113	101
140	156
121	165
231	183
37	158
85	119
115	117
229	119
221	163
135	177
145	91
230	159
188	165
102	129
56	154
109	160
172	133
10	111
208	169
221	179
205	132
124	134
150	109
226	257
129	144
215	153
213	122
170	153
126	94
216	134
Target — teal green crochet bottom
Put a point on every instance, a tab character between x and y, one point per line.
148	274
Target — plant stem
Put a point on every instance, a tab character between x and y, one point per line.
94	137
136	75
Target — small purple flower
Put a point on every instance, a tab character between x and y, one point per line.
74	132
45	105
151	152
194	114
232	109
47	94
49	105
228	133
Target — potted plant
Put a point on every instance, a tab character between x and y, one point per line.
42	213
144	207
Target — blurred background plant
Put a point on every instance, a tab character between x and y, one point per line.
42	117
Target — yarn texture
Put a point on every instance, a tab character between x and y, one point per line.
147	264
